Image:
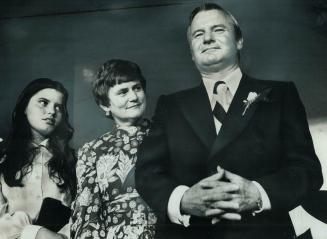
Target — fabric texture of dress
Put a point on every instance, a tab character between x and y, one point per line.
107	204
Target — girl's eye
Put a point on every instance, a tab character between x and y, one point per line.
58	108
43	102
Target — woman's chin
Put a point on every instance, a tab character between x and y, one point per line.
128	121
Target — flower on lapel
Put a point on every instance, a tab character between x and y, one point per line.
254	97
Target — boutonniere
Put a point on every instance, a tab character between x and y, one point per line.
254	97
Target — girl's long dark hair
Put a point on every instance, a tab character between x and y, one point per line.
18	154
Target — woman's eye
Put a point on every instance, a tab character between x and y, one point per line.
122	92
138	88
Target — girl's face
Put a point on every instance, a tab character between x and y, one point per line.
127	102
44	112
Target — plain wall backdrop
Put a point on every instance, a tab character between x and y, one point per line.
281	42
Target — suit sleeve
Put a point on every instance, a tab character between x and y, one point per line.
300	170
153	179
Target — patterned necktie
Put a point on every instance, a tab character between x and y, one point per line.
222	102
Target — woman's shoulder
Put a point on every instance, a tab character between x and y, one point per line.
94	144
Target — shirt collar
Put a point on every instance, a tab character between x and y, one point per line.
44	143
232	80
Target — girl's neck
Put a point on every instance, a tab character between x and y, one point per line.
37	138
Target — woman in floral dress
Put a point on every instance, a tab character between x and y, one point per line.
107	204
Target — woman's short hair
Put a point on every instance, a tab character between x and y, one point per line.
114	72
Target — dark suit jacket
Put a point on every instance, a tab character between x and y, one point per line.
270	144
316	205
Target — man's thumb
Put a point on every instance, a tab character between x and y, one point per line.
230	176
220	172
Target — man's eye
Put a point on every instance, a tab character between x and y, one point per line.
198	34
219	30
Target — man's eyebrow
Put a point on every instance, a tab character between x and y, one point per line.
219	25
212	27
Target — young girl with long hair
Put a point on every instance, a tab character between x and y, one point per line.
37	167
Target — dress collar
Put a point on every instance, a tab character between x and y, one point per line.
133	129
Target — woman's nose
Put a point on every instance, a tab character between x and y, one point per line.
133	95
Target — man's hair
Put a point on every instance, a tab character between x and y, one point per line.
114	72
213	6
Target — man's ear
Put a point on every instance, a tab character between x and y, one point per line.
239	44
189	40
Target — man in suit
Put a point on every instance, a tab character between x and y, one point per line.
229	158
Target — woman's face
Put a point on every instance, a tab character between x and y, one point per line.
44	112
127	102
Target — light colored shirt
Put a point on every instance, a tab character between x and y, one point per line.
232	80
28	199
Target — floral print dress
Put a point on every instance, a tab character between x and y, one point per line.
107	204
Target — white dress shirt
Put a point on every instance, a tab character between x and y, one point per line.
232	80
28	199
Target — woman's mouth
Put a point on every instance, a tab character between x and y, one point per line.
134	106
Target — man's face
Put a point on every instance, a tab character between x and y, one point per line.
212	41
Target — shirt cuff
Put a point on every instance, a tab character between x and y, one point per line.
3	208
266	205
174	213
30	231
65	231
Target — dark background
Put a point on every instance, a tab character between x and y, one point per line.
67	40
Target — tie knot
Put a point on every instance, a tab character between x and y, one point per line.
217	84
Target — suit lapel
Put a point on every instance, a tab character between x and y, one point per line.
235	122
196	109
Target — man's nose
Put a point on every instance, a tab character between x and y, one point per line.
208	37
